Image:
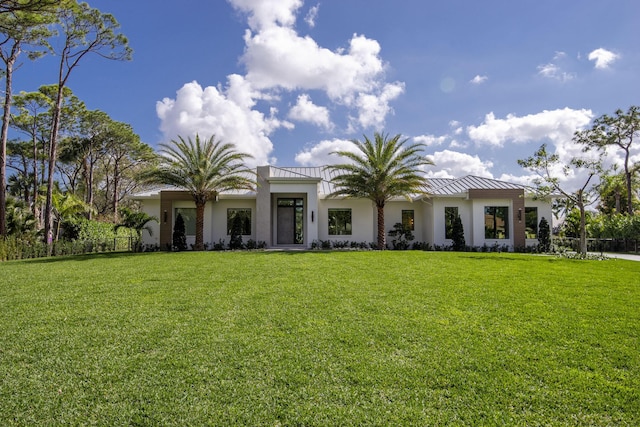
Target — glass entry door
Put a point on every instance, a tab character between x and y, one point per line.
290	221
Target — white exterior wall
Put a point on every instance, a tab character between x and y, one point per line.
464	210
362	220
393	214
544	211
152	207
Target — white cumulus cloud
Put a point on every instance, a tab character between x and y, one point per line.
306	111
430	140
454	164
310	19
555	125
227	114
603	58
320	154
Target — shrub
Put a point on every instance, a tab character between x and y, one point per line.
459	243
179	234
544	236
402	235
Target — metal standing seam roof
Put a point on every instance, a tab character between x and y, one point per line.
437	186
466	183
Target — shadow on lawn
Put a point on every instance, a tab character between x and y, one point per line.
86	257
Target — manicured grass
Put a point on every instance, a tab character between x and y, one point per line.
297	338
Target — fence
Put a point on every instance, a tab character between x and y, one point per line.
14	248
597	245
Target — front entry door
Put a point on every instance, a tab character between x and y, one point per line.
290	221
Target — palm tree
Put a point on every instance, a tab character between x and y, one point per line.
382	169
67	206
204	169
135	221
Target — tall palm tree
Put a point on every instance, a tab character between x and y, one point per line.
379	171
204	168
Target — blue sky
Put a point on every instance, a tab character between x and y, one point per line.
482	83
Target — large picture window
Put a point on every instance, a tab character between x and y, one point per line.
496	222
189	218
407	219
339	222
240	218
450	215
531	222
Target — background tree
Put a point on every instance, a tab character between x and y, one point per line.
543	164
83	31
204	169
13	6
19	30
380	170
620	131
66	207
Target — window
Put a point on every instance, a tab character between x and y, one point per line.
339	222
450	215
531	223
240	218
496	222
189	218
407	219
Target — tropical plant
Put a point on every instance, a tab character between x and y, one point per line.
66	207
380	170
137	222
204	168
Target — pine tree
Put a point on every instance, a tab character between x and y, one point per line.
544	236
179	234
459	243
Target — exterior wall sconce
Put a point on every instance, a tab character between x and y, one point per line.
311	216
165	216
519	214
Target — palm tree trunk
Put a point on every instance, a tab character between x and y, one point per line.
382	241
199	246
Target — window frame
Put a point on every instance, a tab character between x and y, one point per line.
495	234
345	229
246	225
450	214
189	220
527	221
410	217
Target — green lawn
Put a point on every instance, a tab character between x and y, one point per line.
319	338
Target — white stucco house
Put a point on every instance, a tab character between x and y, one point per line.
290	208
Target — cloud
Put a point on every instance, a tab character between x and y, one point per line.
478	79
277	60
311	16
265	14
430	140
227	114
603	58
553	71
555	125
454	164
320	154
306	111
